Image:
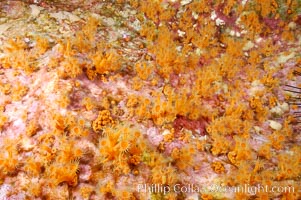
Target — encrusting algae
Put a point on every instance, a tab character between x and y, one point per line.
117	99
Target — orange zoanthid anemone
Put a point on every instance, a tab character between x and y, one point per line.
117	99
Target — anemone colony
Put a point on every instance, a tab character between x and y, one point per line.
101	97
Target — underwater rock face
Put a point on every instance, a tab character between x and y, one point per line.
127	99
